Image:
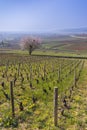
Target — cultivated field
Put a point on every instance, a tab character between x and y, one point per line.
33	79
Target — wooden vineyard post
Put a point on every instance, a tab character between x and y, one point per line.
55	105
30	73
59	74
12	98
75	78
18	69
7	67
45	70
60	68
38	71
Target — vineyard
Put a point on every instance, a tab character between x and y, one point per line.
27	91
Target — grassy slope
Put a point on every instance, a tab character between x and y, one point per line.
48	52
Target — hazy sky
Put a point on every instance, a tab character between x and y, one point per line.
42	15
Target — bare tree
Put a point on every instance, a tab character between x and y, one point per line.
30	44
